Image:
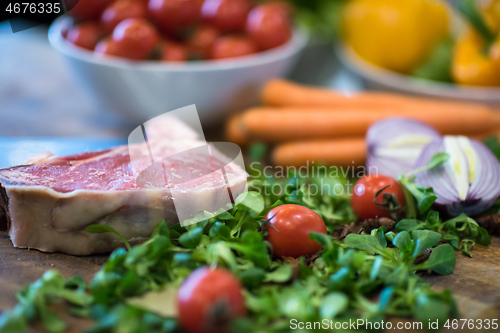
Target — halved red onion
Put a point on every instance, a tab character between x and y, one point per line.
394	144
468	183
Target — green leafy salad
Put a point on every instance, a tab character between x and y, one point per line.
367	272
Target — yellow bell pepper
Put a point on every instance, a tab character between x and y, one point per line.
491	9
476	58
472	65
395	34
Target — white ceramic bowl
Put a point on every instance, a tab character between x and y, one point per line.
379	78
143	90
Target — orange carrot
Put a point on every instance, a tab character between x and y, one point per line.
340	152
288	94
234	131
487	134
275	125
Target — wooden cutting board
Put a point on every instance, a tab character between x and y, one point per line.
475	282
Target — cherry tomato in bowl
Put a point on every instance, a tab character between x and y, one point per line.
107	47
209	299
226	15
174	52
288	230
172	15
232	47
122	10
87	9
85	35
201	41
269	25
363	197
135	38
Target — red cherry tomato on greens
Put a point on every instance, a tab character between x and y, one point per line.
226	15
269	25
121	10
290	228
202	40
209	300
87	9
363	196
85	35
135	38
232	47
171	15
174	52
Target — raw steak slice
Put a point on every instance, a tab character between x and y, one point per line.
48	204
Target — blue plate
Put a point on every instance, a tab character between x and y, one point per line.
15	151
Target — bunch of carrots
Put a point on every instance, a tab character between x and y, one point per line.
321	125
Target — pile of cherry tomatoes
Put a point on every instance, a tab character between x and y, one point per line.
178	30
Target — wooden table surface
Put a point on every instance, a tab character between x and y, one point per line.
475	282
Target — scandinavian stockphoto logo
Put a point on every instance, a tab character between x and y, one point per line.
170	151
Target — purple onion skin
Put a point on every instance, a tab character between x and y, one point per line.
483	191
380	133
